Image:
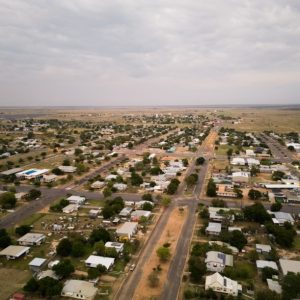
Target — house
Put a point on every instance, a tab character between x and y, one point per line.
14	252
118	246
79	289
140	204
274	286
31	239
11	172
68	169
127	230
111	177
70	208
234	250
120	186
97	185
238	161
219	214
93	261
281	217
250	153
240	177
260	248
213	228
260	264
49	178
76	200
94	213
253	162
217	261
288	265
36	264
137	214
125	212
32	174
222	284
47	273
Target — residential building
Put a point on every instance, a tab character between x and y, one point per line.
14	252
70	208
281	217
264	249
125	212
68	169
260	264
76	200
240	177
217	261
36	264
288	265
213	228
32	174
137	214
93	261
118	246
31	239
127	230
98	184
274	286
79	289
49	178
222	284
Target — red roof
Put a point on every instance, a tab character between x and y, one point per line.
18	296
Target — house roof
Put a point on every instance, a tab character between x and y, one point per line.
264	248
31	237
79	287
260	264
107	262
15	251
127	228
274	286
288	265
219	257
215	227
37	262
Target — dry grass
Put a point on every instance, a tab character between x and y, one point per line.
171	235
12	280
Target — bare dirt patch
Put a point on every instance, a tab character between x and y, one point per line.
170	235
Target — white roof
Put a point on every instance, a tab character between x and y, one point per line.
215	227
141	213
222	281
283	217
33	172
127	228
265	248
37	262
288	265
76	198
240	174
47	273
274	286
107	262
260	264
15	251
31	237
72	287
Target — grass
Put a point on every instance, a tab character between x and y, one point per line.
33	218
296	243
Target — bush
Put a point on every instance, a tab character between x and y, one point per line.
8	200
211	190
64	247
163	253
64	268
22	230
5	239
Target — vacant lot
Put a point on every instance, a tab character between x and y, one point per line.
12	280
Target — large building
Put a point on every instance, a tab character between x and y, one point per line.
36	174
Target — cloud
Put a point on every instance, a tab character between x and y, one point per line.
81	52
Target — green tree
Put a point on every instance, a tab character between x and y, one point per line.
64	268
276	206
31	286
78	248
211	188
49	287
165	201
107	192
5	239
197	267
22	230
200	161
291	286
237	239
254	194
147	197
268	272
64	248
100	234
33	194
147	206
277	175
8	200
136	179
256	213
163	253
99	247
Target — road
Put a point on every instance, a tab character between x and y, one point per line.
127	290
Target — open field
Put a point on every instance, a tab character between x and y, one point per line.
12	280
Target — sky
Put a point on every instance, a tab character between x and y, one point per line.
149	52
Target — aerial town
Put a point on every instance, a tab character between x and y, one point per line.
150	204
